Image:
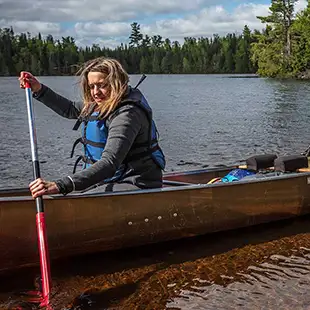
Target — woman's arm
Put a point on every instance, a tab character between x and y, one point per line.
123	130
58	103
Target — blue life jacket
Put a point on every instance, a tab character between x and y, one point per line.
95	133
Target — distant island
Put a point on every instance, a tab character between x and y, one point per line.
280	50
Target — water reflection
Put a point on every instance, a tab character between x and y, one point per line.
286	117
280	282
249	268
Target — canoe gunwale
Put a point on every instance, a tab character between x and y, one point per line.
166	175
185	187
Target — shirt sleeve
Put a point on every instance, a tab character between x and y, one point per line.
123	130
59	104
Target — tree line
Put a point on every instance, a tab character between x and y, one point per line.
143	54
281	49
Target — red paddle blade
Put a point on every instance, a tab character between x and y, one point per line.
44	257
29	300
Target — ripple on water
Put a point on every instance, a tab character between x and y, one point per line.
279	283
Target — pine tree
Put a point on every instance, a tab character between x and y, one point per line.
281	18
136	36
273	49
243	57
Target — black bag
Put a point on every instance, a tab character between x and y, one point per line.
290	163
258	162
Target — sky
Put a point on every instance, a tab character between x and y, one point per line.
107	22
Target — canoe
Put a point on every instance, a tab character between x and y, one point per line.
186	206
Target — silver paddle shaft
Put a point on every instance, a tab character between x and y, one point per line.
32	130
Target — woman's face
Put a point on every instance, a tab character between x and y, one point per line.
98	86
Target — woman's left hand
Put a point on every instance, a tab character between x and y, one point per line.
41	187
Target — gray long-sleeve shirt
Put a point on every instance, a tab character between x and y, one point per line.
127	128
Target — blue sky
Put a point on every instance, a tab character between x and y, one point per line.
107	22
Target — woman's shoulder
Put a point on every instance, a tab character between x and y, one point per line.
129	105
129	110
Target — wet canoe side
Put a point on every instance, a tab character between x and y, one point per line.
91	223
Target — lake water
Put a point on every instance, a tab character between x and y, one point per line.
202	120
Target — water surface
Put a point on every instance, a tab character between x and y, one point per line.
203	121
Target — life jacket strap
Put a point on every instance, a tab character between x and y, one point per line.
85	142
76	142
77	124
83	158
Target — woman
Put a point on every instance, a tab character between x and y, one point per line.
119	136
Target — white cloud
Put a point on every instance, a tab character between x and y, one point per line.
108	34
107	29
84	18
206	22
213	20
94	10
34	27
300	5
209	21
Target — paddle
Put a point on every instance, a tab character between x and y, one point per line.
306	152
143	77
40	220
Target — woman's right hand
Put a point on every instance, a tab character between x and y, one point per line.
41	187
28	77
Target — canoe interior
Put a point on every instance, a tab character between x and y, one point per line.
196	176
202	176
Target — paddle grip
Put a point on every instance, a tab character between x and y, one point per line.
27	84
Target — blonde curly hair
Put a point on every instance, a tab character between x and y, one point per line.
116	79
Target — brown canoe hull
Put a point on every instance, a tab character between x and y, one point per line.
79	224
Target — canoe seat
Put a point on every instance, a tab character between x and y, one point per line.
288	163
272	168
260	162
